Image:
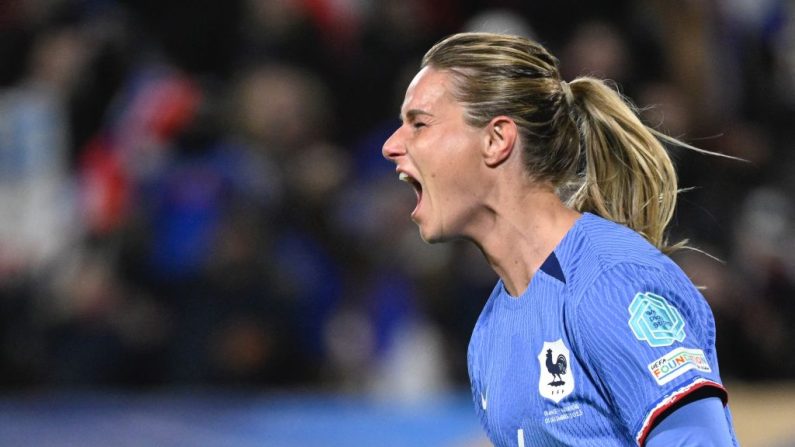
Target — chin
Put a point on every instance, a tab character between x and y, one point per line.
427	235
433	236
430	240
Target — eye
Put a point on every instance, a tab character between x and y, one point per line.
418	125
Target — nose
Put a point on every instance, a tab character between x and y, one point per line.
393	146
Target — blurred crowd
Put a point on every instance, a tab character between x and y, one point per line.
192	192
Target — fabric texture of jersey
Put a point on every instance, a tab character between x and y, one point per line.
608	335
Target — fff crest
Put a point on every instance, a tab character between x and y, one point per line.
655	321
556	380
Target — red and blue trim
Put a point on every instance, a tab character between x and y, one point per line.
671	400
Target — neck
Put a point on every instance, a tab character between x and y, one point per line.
519	234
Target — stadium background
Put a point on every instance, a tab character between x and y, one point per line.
196	223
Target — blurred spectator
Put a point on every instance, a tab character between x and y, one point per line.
499	21
38	219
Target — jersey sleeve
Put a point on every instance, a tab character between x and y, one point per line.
647	338
702	422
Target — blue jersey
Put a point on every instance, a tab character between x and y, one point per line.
608	335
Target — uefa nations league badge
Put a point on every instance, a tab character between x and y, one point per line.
655	321
556	379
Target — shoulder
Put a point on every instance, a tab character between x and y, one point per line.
604	250
630	301
620	280
616	272
614	244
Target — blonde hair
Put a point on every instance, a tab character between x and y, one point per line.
582	137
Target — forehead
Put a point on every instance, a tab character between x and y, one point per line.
428	91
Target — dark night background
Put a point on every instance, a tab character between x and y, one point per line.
192	192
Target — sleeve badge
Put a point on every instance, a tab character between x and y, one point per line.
653	320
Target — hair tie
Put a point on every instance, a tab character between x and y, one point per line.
567	93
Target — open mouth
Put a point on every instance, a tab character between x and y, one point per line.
414	184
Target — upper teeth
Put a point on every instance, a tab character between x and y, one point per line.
404	177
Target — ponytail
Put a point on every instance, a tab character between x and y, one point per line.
628	176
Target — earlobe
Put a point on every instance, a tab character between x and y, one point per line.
501	137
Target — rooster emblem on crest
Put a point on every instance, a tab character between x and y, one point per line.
557	369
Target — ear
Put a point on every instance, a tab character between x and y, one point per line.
501	135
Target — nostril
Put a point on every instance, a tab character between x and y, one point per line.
391	147
389	150
386	152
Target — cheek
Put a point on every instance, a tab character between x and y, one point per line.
451	165
458	177
465	162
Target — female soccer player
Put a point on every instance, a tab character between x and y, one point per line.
592	336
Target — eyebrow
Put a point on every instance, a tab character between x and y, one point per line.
413	113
